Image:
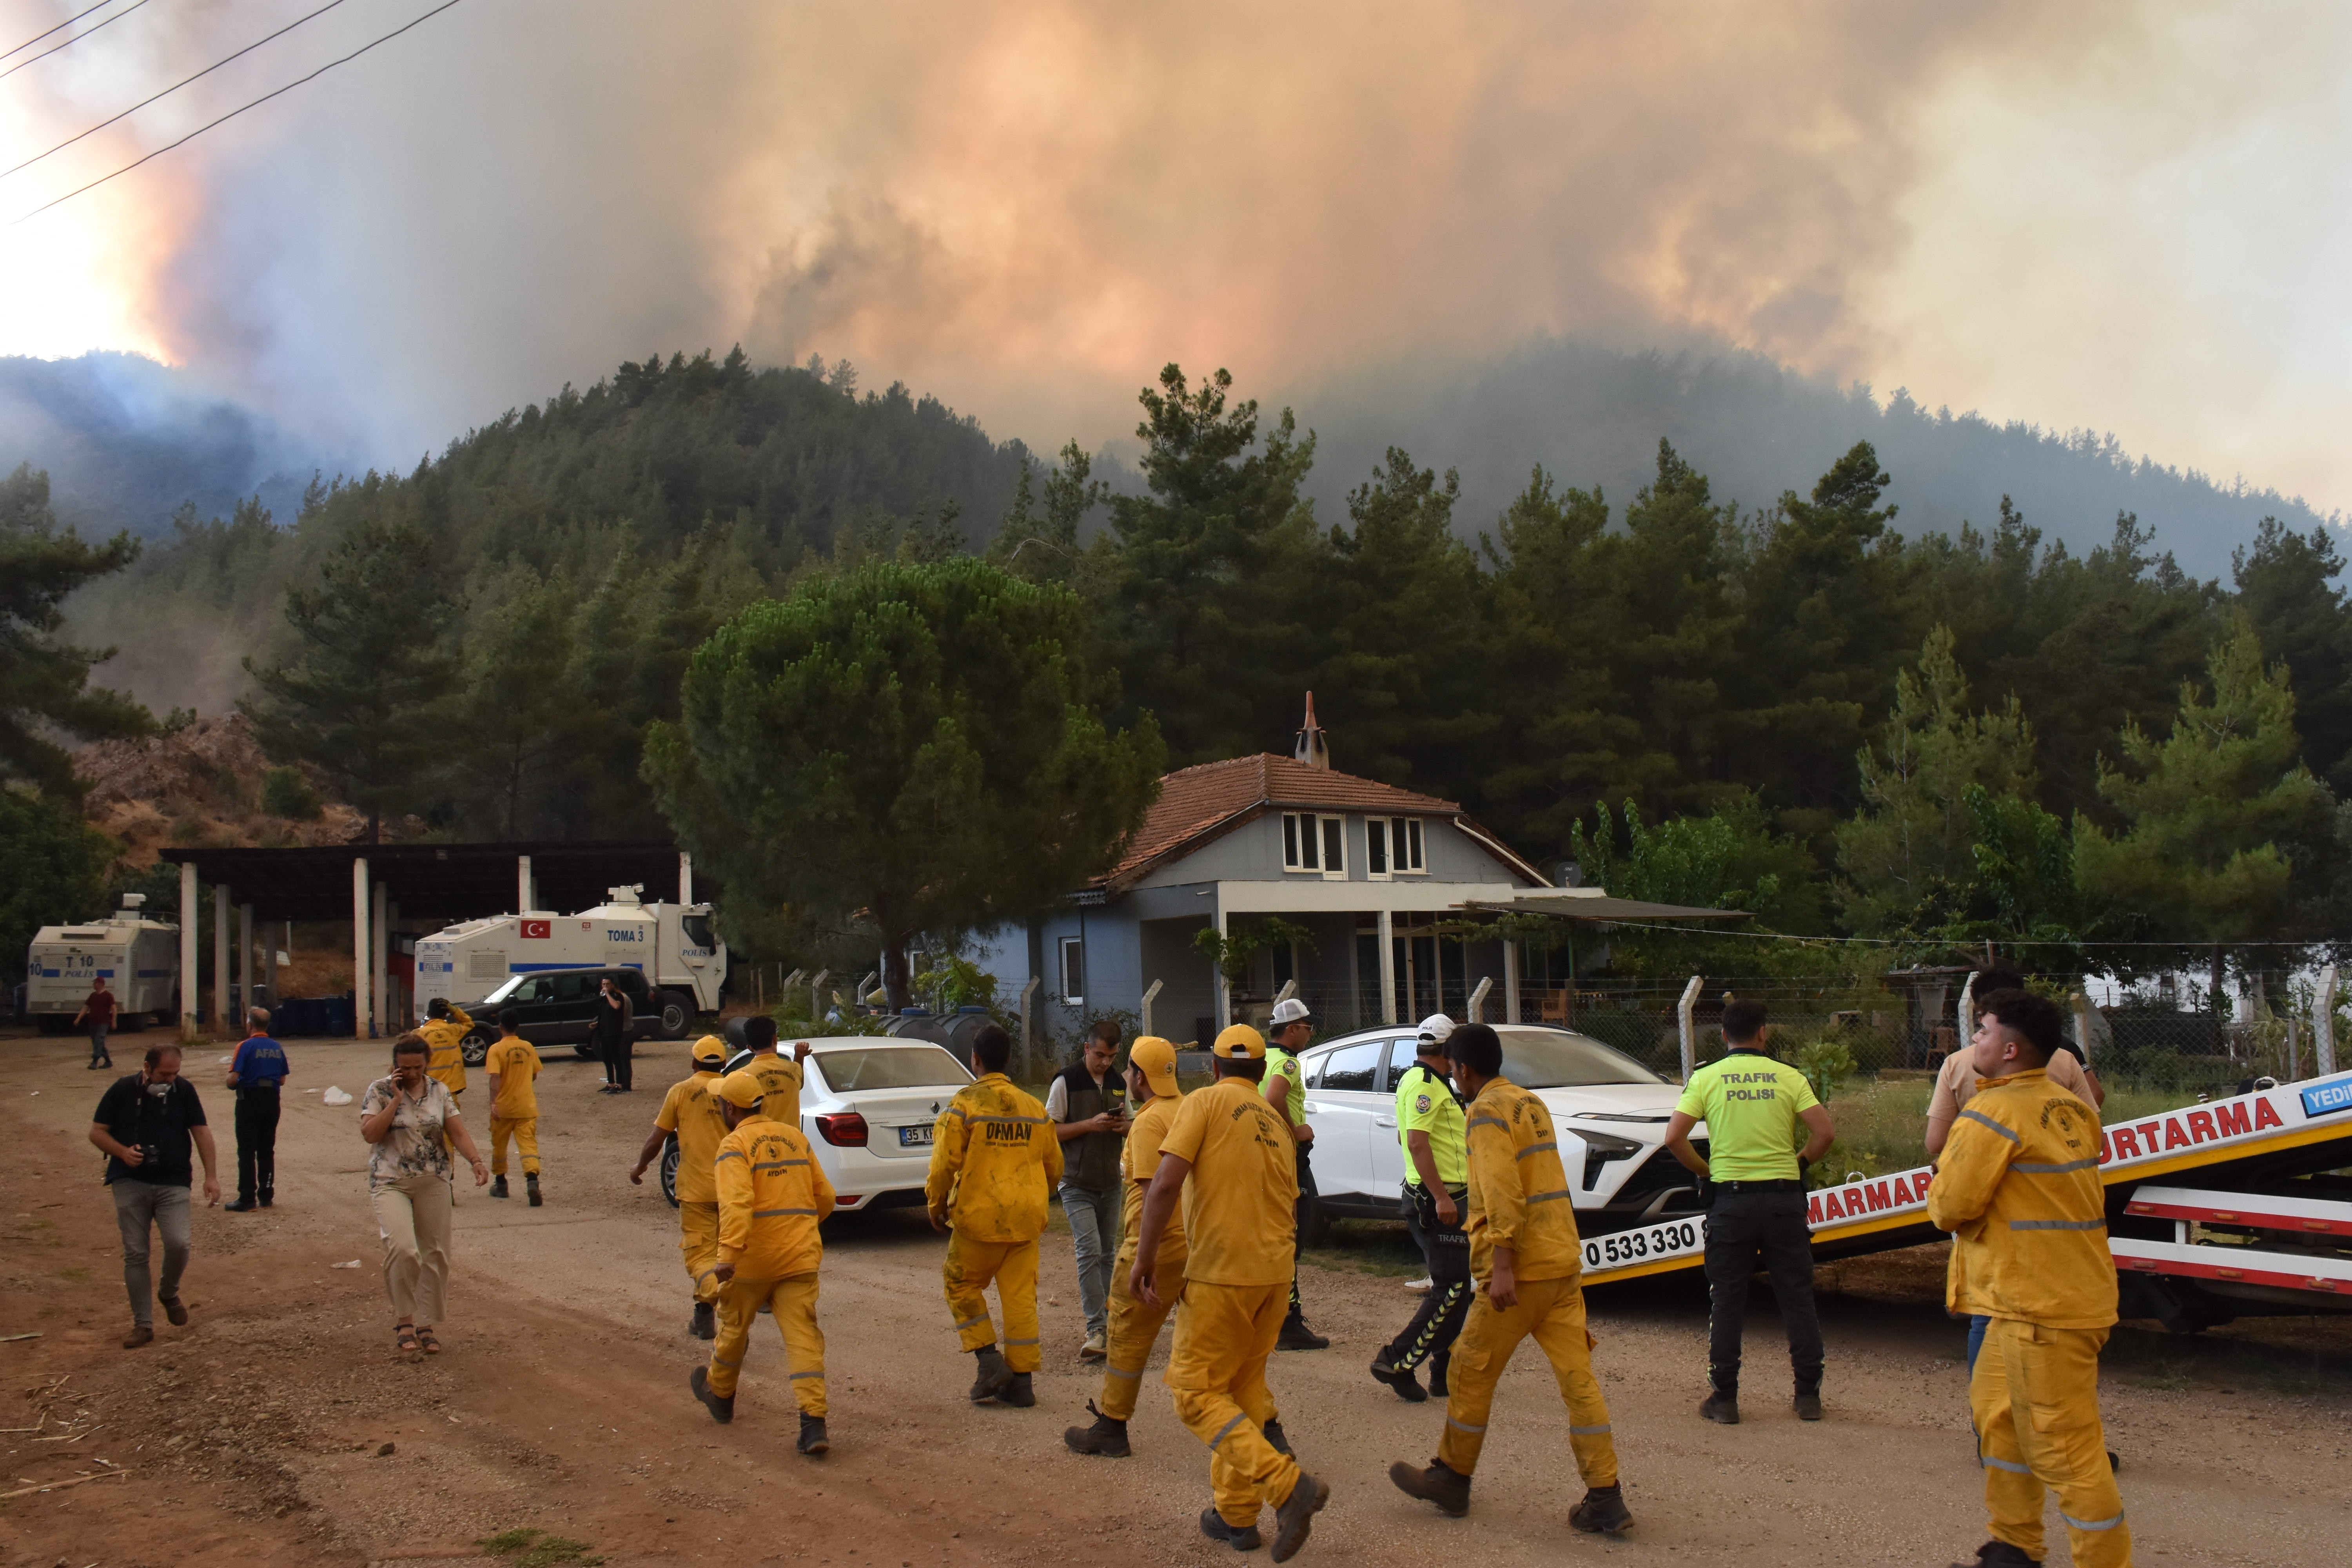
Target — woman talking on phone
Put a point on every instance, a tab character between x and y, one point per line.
411	1121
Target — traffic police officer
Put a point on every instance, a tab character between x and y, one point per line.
1436	1177
1292	1027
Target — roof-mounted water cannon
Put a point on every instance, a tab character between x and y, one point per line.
634	893
134	901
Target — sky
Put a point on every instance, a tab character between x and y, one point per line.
2129	218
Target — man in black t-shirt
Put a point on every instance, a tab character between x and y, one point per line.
146	1125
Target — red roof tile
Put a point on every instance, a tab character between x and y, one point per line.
1198	801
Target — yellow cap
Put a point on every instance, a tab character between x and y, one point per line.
710	1048
1240	1040
1155	1059
741	1088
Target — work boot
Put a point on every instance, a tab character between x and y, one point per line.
1297	1336
242	1205
722	1410
813	1439
1017	1393
1997	1554
531	1183
1276	1438
1723	1406
1213	1526
498	1186
1106	1437
704	1325
1448	1488
140	1334
1438	1368
1809	1405
1296	1517
994	1376
1408	1387
1602	1512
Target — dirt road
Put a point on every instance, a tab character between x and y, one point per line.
277	1427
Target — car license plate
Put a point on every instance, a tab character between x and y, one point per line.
912	1137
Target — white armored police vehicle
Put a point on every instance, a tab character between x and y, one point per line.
138	958
673	945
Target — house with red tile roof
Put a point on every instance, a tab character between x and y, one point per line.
1365	870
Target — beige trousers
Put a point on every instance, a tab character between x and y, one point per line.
412	1215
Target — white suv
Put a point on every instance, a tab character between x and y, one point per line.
1616	1107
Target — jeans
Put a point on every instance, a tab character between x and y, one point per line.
137	1206
1446	1250
1977	1327
257	1144
1741	1229
99	1055
1093	1230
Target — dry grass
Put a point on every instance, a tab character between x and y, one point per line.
1881	1124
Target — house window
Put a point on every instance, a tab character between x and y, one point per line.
1404	843
1376	848
1335	847
1074	970
1298	843
1311	842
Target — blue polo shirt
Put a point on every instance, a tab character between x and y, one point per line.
261	1063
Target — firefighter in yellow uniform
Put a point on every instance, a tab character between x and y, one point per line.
779	1076
771	1198
1526	1258
512	1066
994	1158
2019	1189
1232	1165
690	1113
444	1029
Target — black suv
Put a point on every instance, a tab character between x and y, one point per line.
557	1006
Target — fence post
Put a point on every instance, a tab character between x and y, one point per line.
1150	995
816	995
1967	1009
1477	1008
1683	1014
2081	1024
2323	1025
1510	983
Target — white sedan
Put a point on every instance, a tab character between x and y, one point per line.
867	1106
1613	1106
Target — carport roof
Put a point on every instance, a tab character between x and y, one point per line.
435	882
1603	908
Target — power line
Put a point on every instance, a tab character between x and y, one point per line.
233	113
69	21
70	43
175	86
2183	944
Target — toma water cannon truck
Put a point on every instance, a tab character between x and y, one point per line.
138	958
675	945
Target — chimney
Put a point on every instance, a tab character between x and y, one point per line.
1311	747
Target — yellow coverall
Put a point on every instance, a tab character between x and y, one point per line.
1240	1209
1519	1199
2019	1189
447	1062
994	1158
780	1083
690	1111
771	1198
514	1111
1134	1327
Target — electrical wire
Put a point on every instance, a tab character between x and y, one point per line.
1935	941
77	38
232	114
175	86
69	21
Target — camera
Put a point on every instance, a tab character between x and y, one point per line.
150	1154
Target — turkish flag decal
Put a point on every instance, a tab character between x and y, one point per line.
537	928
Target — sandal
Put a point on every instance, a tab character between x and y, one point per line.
424	1337
404	1339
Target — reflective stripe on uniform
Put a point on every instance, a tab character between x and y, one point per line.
1981	1117
1599	1431
1539	1148
1021	1342
2034	1168
776	1164
2087	1524
722	1360
1547	1197
1007	1120
1485	1122
2057	1224
2011	1466
1463	1426
732	1154
798	1375
1226	1430
968	1322
1122	1372
771	1213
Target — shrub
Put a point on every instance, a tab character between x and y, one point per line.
286	792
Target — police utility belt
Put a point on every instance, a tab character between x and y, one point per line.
1779	1184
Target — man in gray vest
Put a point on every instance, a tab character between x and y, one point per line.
1088	1104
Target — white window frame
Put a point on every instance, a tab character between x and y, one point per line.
1296	832
1378	860
1333	831
1069	944
1408	854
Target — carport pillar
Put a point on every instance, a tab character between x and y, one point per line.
686	879
1218	988
1510	983
379	940
220	956
359	968
246	983
188	1000
523	884
1387	968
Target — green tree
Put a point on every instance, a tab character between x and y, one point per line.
1916	827
52	865
1729	860
2213	815
2286	586
365	698
1044	547
907	749
43	683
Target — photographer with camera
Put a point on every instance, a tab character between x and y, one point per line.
146	1123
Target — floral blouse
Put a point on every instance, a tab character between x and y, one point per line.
416	1144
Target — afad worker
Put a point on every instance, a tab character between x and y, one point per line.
698	1120
772	1199
995	1159
1436	1177
1229	1160
1285	1089
512	1064
444	1032
1527	1261
2019	1189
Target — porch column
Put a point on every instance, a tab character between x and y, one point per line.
220	956
190	1011
1219	991
379	935
1387	968
1510	983
245	965
361	968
